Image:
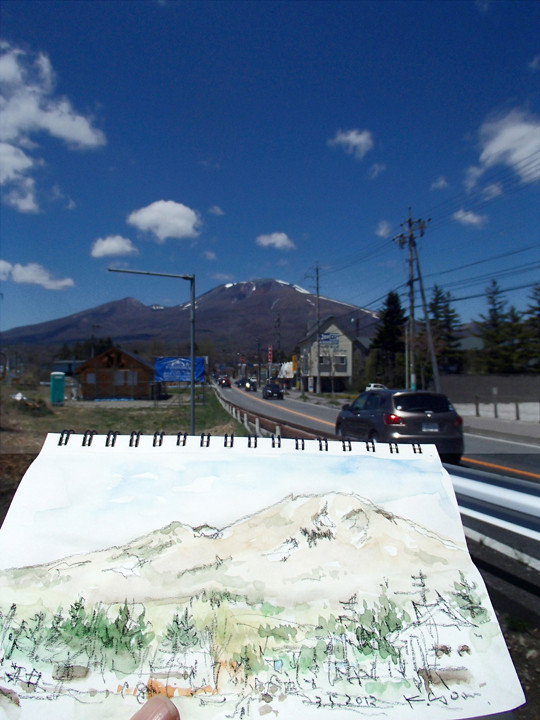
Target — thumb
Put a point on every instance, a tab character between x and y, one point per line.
158	707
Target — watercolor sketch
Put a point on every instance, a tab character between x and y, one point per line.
243	581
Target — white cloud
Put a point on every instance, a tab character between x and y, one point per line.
210	255
28	107
472	176
376	169
467	217
492	191
440	183
277	240
166	219
113	245
222	277
32	274
5	269
534	65
354	142
383	229
216	210
512	140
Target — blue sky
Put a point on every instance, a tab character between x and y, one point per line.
241	140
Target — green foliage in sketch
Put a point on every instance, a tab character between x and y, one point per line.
238	639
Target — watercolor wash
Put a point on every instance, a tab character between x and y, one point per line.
284	581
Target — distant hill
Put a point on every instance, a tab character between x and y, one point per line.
231	316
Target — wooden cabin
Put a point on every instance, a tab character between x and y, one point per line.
116	375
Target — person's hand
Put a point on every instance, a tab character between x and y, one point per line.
158	707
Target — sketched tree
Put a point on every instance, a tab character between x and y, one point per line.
469	601
377	624
181	633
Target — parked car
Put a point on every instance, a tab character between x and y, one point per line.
375	386
404	416
272	390
251	384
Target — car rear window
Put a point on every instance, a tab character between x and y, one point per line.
422	402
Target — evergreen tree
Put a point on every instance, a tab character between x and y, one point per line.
388	342
495	330
449	354
531	332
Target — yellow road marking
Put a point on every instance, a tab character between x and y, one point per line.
295	412
493	466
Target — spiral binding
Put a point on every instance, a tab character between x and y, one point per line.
88	437
323	444
228	441
110	440
134	438
64	437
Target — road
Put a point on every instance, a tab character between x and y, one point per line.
518	459
496	455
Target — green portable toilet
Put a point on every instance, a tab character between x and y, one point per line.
57	388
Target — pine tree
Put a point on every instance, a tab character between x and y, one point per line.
531	332
388	342
495	331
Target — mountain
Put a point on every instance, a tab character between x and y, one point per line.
303	549
232	316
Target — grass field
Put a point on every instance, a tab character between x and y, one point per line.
25	423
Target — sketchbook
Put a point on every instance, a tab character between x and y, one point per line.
243	577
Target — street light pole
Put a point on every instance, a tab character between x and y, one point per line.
191	279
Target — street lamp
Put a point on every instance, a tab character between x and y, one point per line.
191	279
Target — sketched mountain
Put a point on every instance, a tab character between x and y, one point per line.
303	549
225	316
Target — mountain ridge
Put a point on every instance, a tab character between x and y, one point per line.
265	310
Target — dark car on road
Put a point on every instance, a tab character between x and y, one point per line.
251	384
404	416
272	390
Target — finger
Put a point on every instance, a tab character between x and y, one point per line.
158	707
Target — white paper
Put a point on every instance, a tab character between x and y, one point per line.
244	581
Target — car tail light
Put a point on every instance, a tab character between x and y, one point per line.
391	419
458	421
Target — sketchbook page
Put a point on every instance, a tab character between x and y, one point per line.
284	578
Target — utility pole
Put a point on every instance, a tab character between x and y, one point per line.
318	330
409	238
318	362
278	326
